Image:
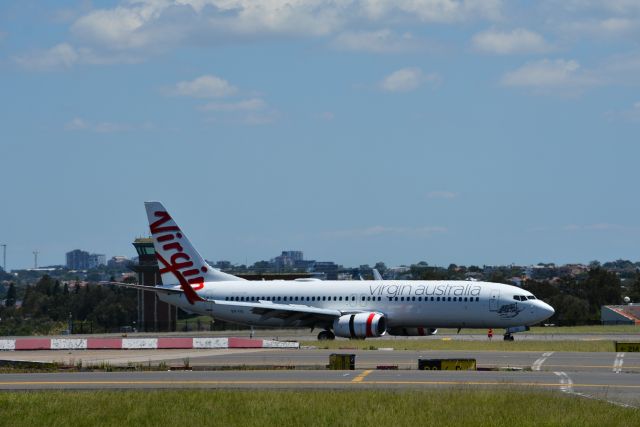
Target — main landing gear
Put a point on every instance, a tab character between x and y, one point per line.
508	337
326	335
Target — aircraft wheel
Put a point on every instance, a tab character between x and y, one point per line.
326	335
508	337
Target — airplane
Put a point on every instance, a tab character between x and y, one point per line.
345	308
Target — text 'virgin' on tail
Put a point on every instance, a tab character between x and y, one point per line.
178	260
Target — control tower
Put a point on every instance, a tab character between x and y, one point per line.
153	314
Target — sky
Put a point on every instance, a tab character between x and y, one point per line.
446	131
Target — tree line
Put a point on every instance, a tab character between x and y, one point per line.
48	306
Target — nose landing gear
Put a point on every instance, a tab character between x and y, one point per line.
508	332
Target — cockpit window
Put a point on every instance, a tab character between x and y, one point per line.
522	297
531	297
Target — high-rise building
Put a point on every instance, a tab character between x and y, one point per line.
287	259
96	260
77	260
82	260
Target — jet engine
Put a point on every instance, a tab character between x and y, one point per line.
413	332
360	325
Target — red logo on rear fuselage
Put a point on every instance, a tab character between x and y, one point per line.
180	263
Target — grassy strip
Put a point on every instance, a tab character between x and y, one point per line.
495	345
447	407
550	330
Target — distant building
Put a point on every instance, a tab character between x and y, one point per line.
81	260
118	262
287	259
97	260
328	268
77	260
222	265
620	314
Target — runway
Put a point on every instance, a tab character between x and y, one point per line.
613	377
365	359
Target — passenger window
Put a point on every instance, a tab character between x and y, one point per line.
413	298
438	299
431	298
379	298
362	298
420	299
353	298
477	298
296	298
396	298
339	298
465	299
449	299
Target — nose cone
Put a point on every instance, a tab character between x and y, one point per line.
545	310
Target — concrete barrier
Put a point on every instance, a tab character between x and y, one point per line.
139	343
68	344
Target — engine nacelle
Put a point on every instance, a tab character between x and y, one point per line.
412	332
360	325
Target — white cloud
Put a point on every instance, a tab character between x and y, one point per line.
596	227
605	28
141	28
519	40
442	11
207	86
382	41
379	230
442	195
547	73
252	104
407	79
614	6
60	56
80	124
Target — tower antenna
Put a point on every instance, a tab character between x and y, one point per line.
35	259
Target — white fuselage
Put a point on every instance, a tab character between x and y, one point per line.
405	303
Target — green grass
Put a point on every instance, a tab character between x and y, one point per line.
589	329
447	407
439	344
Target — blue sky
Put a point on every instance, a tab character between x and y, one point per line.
450	131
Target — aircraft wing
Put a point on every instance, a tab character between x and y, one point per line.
159	289
292	314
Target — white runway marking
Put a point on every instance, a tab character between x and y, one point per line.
617	364
566	384
538	363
